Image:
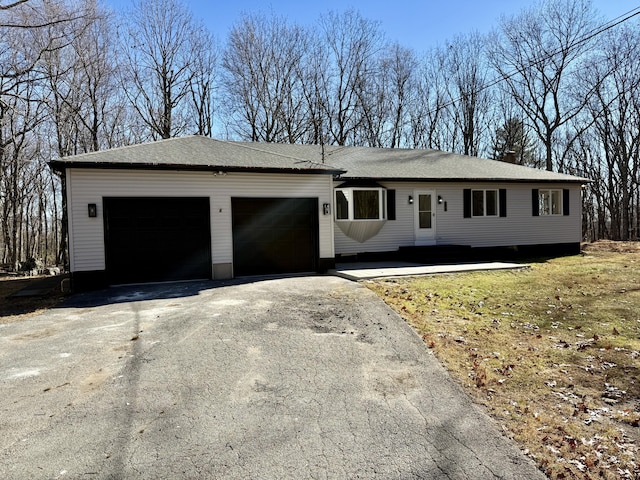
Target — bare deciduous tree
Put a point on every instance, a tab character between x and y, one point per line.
614	109
428	112
20	114
313	71
203	84
352	43
159	65
385	100
21	106
262	78
536	54
402	66
469	100
33	33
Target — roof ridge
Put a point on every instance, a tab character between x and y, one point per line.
134	145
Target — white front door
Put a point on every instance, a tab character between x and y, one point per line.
425	217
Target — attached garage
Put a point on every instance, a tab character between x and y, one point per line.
196	208
274	235
155	239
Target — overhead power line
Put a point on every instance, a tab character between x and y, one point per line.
588	36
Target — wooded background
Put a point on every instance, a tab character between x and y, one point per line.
555	83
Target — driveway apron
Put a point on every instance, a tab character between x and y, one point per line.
305	377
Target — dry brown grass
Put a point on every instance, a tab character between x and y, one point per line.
611	246
552	352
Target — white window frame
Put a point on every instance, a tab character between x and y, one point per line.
348	193
484	202
545	202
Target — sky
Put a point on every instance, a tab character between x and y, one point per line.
417	24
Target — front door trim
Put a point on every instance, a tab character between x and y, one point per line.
424	235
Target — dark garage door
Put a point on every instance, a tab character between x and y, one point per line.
274	235
155	239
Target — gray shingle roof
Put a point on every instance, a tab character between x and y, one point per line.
405	164
350	162
197	152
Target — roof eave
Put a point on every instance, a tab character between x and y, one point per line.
465	180
60	165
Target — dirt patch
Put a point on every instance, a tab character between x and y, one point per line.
47	332
94	381
46	294
611	246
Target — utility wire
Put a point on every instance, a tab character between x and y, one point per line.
588	36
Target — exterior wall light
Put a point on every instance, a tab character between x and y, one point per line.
440	199
326	208
410	200
93	210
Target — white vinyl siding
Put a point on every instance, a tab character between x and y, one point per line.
86	186
519	227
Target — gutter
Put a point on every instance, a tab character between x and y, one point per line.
59	165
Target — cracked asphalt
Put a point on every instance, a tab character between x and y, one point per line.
304	377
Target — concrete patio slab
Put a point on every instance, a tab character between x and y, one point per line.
369	270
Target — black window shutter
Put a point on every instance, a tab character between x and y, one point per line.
503	202
466	198
391	204
535	206
565	201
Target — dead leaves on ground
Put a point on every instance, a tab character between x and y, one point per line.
555	361
584	426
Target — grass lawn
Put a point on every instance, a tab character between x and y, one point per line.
552	352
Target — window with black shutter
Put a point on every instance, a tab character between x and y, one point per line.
391	204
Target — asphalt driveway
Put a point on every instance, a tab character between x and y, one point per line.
308	377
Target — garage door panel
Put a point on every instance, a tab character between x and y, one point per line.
274	235
157	239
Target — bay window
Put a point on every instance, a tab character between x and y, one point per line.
360	203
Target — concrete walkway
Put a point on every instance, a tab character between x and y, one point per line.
367	270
